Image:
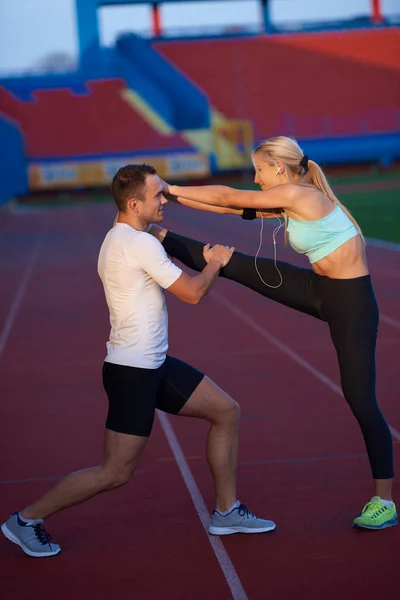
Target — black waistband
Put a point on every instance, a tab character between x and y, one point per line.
344	284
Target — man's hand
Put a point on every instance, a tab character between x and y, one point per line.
220	254
193	289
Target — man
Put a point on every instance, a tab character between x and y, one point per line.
139	377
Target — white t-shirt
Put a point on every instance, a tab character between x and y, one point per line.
133	267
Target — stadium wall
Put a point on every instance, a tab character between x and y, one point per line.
337	92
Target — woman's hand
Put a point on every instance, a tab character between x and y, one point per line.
165	187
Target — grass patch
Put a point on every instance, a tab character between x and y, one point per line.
362	178
378	213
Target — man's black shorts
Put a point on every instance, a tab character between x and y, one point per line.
134	393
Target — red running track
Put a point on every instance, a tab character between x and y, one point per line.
302	460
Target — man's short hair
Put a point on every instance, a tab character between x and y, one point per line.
130	182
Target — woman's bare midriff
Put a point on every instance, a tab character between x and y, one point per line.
346	262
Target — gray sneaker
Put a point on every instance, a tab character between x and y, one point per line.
33	539
238	520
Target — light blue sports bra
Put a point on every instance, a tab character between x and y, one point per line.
317	239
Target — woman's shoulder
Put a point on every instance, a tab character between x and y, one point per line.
307	201
302	191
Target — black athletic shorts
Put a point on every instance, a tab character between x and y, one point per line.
134	393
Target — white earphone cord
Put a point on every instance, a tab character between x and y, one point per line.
274	234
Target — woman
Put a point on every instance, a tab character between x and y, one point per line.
337	289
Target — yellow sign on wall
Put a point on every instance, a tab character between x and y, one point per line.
233	143
96	173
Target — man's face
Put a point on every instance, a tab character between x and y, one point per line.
151	208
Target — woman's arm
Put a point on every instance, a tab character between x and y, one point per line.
281	196
222	210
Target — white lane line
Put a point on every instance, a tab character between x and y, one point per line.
225	562
390	321
238	312
19	297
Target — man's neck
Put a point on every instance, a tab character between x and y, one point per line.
134	222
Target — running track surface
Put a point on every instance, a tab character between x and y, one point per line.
302	460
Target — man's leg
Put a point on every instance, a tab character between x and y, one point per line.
187	392
121	456
132	394
209	402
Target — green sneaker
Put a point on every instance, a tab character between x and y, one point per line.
376	515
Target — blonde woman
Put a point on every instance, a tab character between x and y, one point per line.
337	289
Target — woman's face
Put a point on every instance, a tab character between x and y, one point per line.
266	176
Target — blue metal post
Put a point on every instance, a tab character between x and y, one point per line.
266	13
88	33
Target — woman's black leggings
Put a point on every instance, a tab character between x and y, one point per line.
350	309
